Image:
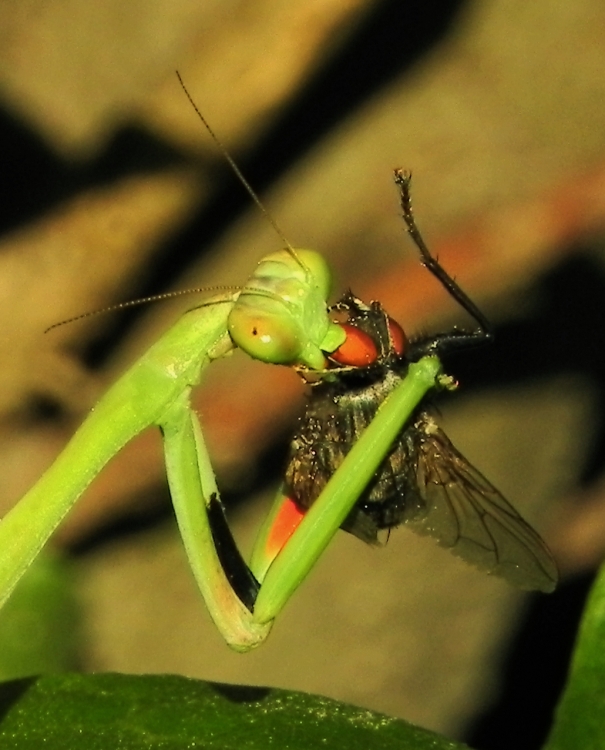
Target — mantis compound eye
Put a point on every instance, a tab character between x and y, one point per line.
397	337
358	349
268	337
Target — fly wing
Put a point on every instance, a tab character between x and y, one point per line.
467	514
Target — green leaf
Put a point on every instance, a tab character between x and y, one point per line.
127	712
580	716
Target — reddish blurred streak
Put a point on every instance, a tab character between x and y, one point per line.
496	252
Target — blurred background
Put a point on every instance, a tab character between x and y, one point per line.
111	190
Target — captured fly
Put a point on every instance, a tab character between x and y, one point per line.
424	482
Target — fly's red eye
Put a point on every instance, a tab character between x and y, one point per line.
398	337
358	349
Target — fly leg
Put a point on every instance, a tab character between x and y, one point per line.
457	339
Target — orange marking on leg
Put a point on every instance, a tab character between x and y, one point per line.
285	524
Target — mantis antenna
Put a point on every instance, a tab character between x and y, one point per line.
144	301
238	172
170	295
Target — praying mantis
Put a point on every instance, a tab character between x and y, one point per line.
281	316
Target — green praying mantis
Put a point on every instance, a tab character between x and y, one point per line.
281	316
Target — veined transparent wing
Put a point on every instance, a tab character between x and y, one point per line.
467	514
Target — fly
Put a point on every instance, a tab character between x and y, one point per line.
423	482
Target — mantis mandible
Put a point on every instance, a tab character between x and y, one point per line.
280	316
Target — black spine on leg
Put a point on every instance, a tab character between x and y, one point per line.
238	573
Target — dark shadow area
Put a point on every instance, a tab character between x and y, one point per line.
535	672
12	692
34	180
240	693
562	335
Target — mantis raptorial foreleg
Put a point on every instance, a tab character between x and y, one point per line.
279	568
192	487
